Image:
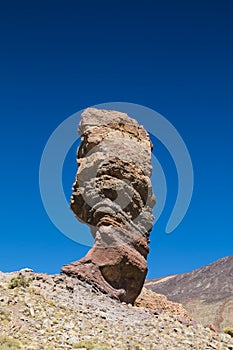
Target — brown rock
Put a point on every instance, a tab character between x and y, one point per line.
211	327
159	303
113	195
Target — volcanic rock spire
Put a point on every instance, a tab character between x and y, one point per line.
113	195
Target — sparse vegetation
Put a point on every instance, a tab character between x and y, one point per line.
89	345
229	331
34	290
3	315
46	315
7	343
19	281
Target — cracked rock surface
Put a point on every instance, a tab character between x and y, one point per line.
112	194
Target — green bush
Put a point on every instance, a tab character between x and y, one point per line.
19	281
4	316
7	343
229	331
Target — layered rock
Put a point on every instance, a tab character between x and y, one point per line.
113	195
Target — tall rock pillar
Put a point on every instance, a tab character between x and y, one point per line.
113	195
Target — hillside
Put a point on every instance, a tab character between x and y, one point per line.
206	293
40	311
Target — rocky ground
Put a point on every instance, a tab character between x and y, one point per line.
40	311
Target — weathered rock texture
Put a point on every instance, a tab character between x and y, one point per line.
113	195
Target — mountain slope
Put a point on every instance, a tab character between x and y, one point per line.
206	293
40	311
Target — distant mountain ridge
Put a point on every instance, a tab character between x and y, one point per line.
206	292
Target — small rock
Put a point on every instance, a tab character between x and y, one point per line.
73	340
211	327
26	269
183	320
32	312
47	323
224	337
27	301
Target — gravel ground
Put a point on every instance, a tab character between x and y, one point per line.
40	311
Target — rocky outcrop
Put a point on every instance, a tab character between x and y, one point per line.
206	293
112	194
159	303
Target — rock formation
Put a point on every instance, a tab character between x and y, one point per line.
112	194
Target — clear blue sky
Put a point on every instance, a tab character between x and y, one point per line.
59	57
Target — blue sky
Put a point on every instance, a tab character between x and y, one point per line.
172	56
